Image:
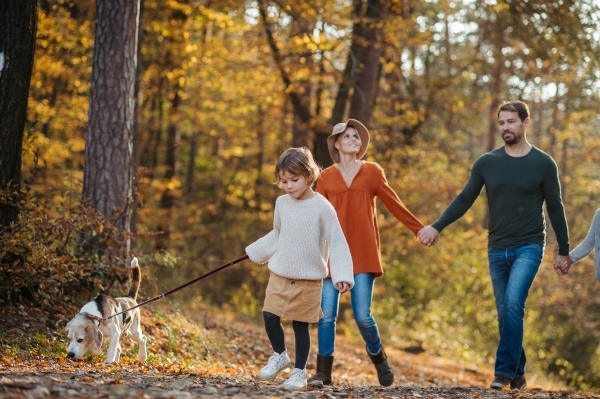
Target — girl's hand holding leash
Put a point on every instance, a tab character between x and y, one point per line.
343	287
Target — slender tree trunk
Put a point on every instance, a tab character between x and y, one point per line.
51	104
190	181
137	119
563	169
352	64
260	156
18	28
300	62
107	177
320	149
363	98
172	151
496	88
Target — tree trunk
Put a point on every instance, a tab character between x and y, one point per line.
496	88
18	28
260	156
137	118
352	63
172	151
300	61
173	143
190	181
320	149
363	98
107	175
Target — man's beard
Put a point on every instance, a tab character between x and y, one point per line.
510	138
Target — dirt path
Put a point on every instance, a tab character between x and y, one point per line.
129	385
221	356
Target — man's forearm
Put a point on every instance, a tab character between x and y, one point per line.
559	224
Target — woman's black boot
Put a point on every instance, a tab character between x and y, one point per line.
384	371
324	367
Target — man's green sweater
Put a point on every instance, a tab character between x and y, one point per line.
516	188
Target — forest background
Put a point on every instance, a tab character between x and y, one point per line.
223	87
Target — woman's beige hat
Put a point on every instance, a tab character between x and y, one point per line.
341	128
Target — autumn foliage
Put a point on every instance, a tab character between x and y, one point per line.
213	113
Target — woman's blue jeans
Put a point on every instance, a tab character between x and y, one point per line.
512	271
361	296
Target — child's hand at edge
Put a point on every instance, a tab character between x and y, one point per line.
343	287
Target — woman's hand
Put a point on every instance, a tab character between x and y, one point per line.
428	235
343	287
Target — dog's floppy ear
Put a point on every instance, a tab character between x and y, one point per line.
96	335
67	328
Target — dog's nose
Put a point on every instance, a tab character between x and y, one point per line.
71	354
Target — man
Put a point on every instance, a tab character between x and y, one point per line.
518	178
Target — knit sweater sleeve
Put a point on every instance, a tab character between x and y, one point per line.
589	243
340	259
392	202
264	248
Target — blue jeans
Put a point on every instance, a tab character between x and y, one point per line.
361	296
512	271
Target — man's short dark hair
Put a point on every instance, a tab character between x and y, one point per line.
515	106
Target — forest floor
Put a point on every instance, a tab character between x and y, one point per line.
206	355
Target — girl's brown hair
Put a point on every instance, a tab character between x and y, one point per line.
297	162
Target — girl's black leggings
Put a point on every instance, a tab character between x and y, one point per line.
277	337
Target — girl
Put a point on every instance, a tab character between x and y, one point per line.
306	232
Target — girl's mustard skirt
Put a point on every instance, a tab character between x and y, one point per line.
298	300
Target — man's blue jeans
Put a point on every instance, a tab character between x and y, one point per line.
512	271
361	296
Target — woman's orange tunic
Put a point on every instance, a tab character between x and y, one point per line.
355	207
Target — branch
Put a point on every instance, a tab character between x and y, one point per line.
300	108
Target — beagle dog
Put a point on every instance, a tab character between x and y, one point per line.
88	328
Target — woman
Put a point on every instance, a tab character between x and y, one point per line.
591	241
351	186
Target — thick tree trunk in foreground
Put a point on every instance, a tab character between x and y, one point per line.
18	27
107	179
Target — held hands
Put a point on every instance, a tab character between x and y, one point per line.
428	236
343	287
562	264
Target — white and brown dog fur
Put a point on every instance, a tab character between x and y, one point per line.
86	334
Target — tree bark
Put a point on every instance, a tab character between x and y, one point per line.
18	28
137	118
190	181
363	98
172	150
301	61
496	88
107	176
352	64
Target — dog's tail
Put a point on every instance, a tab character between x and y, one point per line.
135	281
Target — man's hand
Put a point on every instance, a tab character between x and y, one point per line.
343	287
428	235
562	264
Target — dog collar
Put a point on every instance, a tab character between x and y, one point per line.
91	316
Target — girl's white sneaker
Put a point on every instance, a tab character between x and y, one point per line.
297	380
277	362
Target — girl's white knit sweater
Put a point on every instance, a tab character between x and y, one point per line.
305	234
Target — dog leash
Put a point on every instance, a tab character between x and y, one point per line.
166	294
